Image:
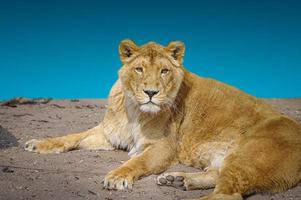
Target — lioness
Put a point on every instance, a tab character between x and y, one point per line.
163	114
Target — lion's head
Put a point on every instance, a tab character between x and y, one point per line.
151	74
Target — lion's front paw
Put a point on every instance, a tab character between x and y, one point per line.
44	146
118	179
31	145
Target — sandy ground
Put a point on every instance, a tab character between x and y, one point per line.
78	174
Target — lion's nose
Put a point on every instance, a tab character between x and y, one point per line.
151	93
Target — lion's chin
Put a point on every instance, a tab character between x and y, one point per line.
150	108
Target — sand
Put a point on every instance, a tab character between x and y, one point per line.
78	174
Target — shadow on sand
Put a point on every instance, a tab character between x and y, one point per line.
7	139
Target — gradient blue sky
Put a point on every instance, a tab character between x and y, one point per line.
69	49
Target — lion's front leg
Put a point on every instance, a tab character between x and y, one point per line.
91	139
154	159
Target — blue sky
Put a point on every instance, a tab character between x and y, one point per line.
69	49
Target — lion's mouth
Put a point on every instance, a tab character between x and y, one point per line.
150	102
150	107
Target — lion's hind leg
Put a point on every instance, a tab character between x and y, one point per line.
90	139
259	165
189	181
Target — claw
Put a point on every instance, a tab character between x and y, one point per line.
118	181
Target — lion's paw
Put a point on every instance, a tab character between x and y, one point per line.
43	146
118	181
173	179
31	145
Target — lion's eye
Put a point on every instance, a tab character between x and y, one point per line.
164	71
139	70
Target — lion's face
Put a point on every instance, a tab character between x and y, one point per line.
152	74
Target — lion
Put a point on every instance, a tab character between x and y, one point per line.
162	114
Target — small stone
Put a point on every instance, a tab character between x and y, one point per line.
7	170
91	192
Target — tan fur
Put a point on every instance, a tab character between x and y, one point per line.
240	142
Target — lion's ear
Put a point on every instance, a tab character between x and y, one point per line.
176	50
127	48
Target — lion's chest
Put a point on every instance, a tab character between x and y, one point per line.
134	131
125	135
